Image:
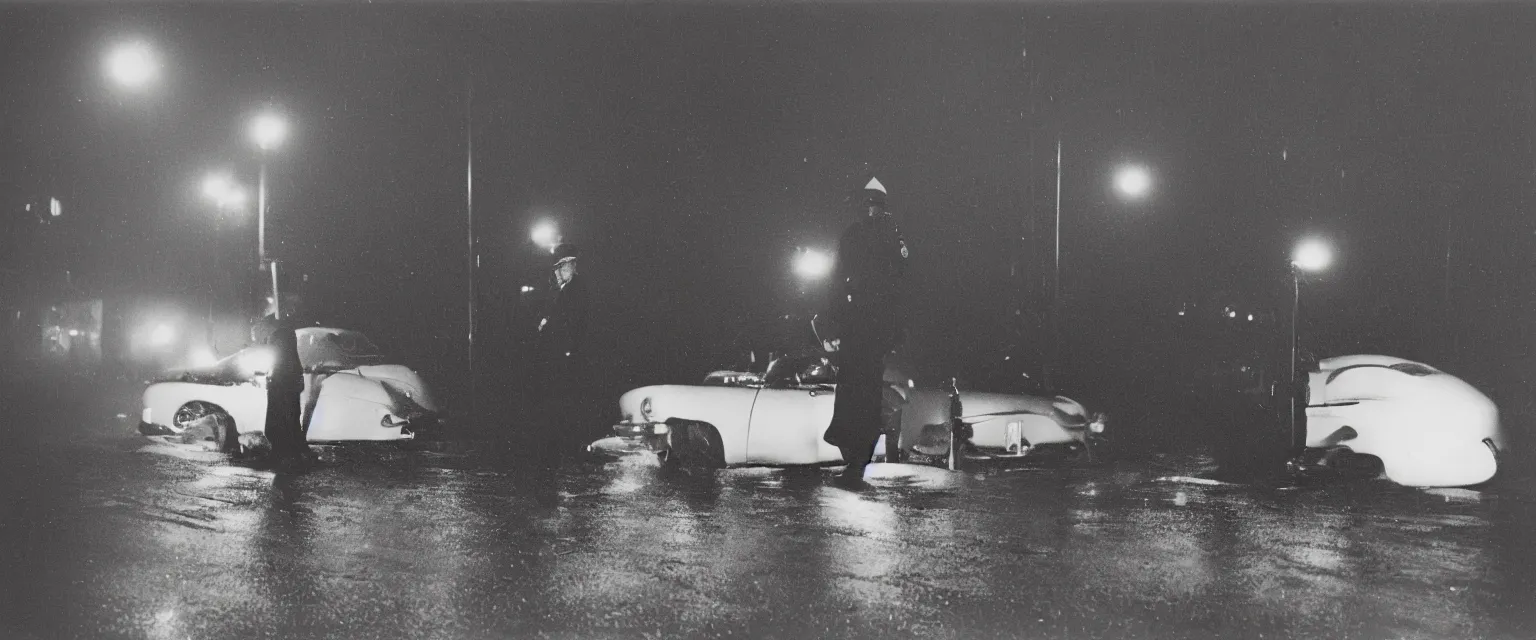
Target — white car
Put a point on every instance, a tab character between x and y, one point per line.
360	396
1429	428
781	419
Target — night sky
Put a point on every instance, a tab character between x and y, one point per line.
689	149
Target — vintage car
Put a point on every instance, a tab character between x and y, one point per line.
780	420
1428	428
351	392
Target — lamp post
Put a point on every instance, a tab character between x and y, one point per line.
268	131
1309	256
1132	182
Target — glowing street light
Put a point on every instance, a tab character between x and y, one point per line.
813	264
268	130
1312	255
1133	181
132	64
546	235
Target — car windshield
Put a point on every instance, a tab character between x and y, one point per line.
794	371
335	348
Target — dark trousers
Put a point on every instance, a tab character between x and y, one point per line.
284	428
556	393
856	411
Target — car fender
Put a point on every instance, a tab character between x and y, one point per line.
1438	464
1428	428
727	409
246	404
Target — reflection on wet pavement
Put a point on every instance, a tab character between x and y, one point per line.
414	543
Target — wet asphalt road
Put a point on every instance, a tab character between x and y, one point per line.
108	535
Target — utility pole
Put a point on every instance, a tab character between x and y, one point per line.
469	210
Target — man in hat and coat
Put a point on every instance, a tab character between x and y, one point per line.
559	374
276	331
868	308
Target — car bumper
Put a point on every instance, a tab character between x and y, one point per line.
156	429
623	446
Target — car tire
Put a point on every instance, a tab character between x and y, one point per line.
225	436
695	445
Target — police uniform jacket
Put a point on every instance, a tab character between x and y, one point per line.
869	280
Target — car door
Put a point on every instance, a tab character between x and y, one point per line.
787	425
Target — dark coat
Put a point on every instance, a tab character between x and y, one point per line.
869	281
278	335
564	333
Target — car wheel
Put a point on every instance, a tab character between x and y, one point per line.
198	414
695	445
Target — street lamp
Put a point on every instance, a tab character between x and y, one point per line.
268	130
1309	256
546	235
1132	182
132	64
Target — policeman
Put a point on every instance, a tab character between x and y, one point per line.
285	382
560	370
869	311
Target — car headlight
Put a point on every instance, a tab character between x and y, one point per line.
256	362
1100	420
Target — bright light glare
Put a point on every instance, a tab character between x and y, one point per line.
255	362
813	265
74	333
269	130
545	235
162	335
527	289
1312	255
217	185
204	357
132	65
1133	182
234	198
223	191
